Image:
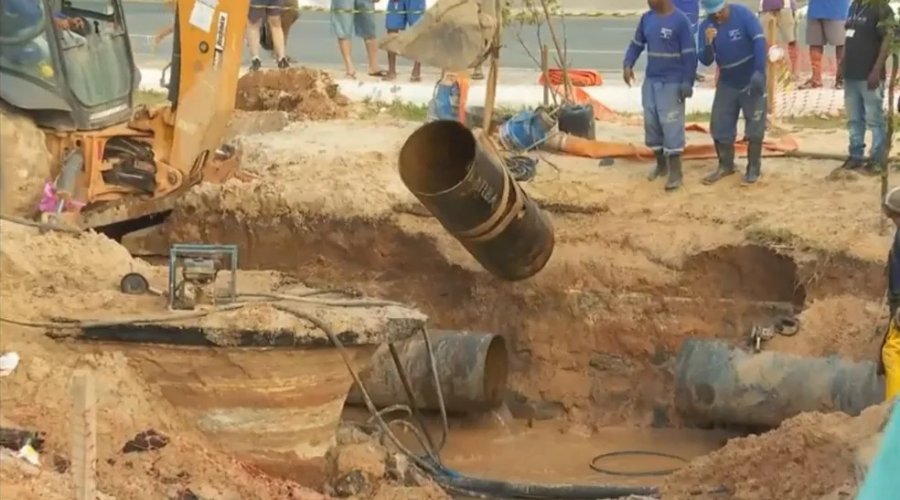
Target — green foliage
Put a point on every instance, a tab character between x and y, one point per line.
529	12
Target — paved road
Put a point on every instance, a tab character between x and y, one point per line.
596	43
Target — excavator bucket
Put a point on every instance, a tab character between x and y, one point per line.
452	35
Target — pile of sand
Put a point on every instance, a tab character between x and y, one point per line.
305	94
809	456
24	164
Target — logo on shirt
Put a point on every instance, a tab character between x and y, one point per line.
734	35
665	33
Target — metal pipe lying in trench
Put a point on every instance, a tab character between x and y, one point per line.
462	181
472	368
718	384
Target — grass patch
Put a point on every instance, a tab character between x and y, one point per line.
771	236
818	122
697	116
409	111
150	97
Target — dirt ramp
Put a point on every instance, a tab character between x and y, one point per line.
305	94
809	456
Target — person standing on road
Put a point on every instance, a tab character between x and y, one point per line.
668	82
289	15
889	359
270	10
691	9
869	38
825	26
784	14
356	16
733	38
400	15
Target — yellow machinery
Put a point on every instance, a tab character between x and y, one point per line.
68	67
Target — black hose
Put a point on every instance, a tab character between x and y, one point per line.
659	472
507	489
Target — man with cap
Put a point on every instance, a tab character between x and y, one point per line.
889	360
733	38
668	82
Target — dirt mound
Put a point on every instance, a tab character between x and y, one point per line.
57	274
24	164
809	456
305	94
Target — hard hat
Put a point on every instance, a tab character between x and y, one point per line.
712	6
892	201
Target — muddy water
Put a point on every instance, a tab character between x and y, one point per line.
497	447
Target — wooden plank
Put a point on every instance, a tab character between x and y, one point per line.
771	29
84	435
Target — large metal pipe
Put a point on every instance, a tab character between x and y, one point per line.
718	384
463	182
472	368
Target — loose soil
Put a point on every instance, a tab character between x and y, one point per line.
305	94
592	337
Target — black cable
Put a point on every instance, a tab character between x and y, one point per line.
661	472
522	168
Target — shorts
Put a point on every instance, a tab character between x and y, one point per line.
784	22
825	32
262	8
353	16
402	14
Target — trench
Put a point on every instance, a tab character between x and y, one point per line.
591	367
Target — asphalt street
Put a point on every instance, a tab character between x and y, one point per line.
595	43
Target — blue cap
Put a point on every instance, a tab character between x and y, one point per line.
712	6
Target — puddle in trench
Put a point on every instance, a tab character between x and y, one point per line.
553	452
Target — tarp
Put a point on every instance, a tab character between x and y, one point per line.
883	478
604	149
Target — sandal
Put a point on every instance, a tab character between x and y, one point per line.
810	84
351	76
389	77
415	78
379	74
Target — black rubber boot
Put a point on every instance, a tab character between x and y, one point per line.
754	162
674	180
725	153
661	169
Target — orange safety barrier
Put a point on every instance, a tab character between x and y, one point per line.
578	77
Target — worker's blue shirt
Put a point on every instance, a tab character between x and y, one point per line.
671	52
739	48
894	271
833	10
691	9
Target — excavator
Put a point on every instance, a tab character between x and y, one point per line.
67	68
75	146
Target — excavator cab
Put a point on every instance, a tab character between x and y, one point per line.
67	63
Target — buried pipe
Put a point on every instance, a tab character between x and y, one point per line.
472	369
462	181
718	384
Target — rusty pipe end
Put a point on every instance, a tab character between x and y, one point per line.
496	371
436	157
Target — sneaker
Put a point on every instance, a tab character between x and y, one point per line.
255	64
283	63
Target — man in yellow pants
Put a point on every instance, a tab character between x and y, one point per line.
890	347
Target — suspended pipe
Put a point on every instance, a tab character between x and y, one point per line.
463	182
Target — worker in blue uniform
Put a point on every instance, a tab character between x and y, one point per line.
668	81
691	9
733	38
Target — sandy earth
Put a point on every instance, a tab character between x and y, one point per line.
634	271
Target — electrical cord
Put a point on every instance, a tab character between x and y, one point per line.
660	472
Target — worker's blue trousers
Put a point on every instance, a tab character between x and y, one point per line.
663	116
728	104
